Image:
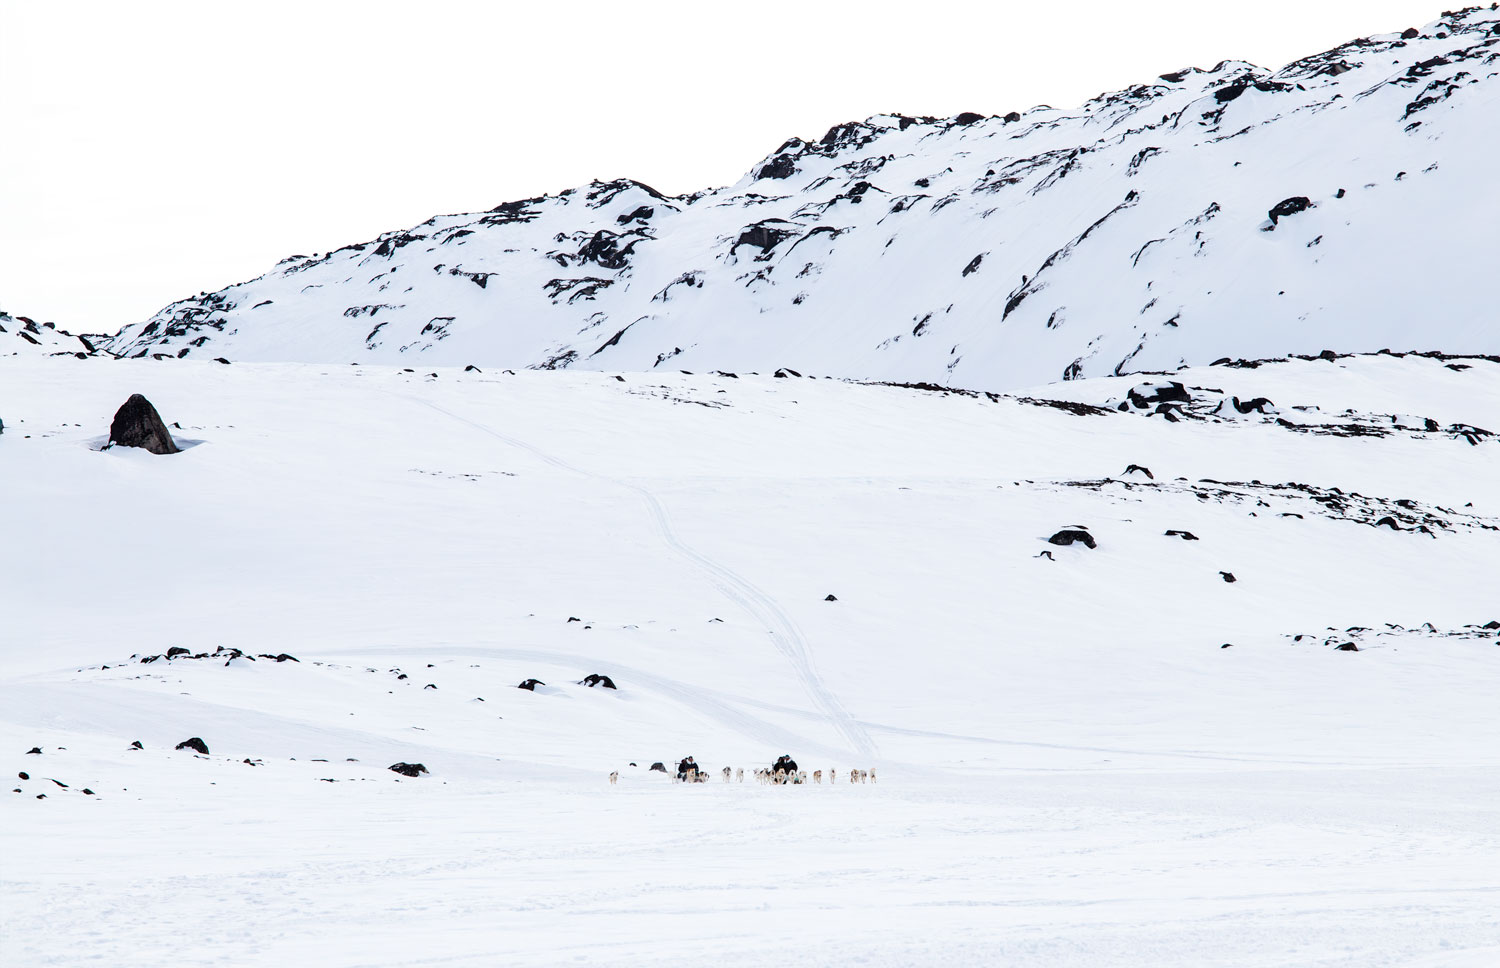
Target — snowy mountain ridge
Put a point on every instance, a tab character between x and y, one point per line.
22	334
1345	201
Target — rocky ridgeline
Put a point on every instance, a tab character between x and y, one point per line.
24	335
1358	638
1229	212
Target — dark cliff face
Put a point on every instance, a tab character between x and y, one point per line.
1156	225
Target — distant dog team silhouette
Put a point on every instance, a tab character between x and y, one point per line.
780	773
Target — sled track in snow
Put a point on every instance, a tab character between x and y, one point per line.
760	606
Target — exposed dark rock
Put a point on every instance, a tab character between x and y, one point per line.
178	650
1257	405
87	791
641	214
782	166
1410	33
34	751
1227	576
1147	395
1227	645
530	685
1491	625
594	679
1289	206
658	768
973	263
1389	522
283	657
137	424
1068	536
471	368
24	776
136	745
763	236
1137	468
1044	554
1346	647
968	118
831	598
1013	117
1184	535
407	769
195	744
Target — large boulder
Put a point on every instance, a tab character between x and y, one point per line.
1067	536
137	424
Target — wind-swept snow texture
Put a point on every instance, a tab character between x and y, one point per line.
1087	756
1133	233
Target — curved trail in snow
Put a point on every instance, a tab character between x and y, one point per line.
784	633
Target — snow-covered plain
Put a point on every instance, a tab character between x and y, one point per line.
1073	769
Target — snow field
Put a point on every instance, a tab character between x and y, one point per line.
1072	771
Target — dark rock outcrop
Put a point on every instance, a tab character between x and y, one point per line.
782	166
595	679
1184	535
195	744
530	685
1148	395
1289	206
1068	535
1228	576
407	769
137	424
1257	405
658	768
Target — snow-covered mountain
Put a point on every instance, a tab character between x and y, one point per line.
24	335
1346	201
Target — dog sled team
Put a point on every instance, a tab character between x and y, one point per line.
782	772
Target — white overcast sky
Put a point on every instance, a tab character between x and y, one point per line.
150	150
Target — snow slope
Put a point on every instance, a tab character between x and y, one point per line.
1132	233
24	335
1073	767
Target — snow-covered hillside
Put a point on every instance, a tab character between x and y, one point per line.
1133	233
23	335
1086	756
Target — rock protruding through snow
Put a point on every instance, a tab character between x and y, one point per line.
137	424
